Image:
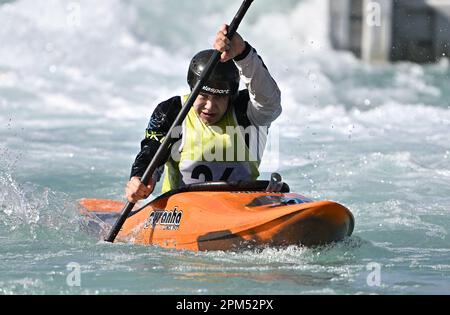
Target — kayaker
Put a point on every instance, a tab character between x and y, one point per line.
219	110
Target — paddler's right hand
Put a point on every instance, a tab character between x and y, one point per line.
136	191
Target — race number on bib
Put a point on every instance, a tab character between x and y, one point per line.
199	172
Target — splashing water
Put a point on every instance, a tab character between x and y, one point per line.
79	80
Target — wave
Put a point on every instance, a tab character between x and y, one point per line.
118	59
35	213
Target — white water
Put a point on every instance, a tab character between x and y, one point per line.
79	80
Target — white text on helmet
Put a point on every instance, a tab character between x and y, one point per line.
215	91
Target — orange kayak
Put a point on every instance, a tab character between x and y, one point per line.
224	216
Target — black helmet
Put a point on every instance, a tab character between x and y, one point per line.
224	79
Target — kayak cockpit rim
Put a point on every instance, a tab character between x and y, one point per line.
255	186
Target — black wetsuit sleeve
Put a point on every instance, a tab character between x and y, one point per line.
158	127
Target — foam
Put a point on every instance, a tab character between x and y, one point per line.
132	72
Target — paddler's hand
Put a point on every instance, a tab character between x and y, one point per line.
136	191
229	49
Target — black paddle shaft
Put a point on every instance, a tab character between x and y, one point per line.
165	146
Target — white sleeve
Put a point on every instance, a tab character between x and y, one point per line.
265	96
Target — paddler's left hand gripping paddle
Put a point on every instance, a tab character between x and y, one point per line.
164	147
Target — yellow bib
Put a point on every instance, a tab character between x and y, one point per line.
210	153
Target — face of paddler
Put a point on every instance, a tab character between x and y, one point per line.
211	108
